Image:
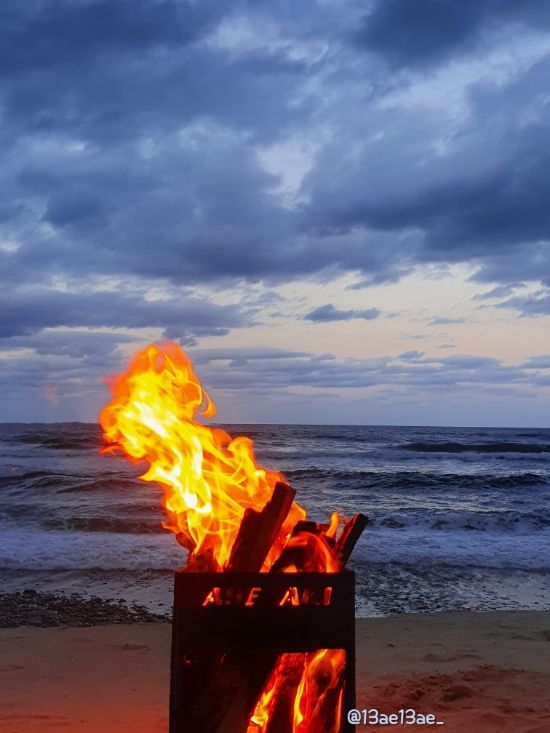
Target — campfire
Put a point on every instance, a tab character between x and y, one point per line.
263	625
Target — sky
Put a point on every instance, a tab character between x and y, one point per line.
339	208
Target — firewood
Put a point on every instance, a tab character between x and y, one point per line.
324	714
305	525
235	681
259	530
202	562
290	669
239	679
235	690
299	553
185	541
349	536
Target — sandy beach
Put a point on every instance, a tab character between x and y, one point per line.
474	671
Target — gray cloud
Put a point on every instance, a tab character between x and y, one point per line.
276	376
74	344
245	354
445	321
49	34
411	355
411	369
537	304
26	312
108	71
537	362
500	291
327	313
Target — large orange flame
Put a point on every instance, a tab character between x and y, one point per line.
209	479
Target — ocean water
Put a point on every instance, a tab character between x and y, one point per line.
459	517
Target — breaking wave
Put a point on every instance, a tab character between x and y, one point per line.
451	447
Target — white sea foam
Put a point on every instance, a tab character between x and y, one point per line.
43	550
518	550
450	528
47	550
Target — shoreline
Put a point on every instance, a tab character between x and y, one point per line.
382	590
476	671
30	608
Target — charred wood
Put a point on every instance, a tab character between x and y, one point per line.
259	530
349	537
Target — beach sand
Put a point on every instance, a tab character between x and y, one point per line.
474	671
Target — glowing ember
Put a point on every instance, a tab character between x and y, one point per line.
210	481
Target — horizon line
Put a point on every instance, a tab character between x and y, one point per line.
305	425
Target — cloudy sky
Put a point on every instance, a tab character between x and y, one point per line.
341	208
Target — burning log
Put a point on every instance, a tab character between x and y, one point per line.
233	682
307	536
308	526
320	697
234	691
289	671
259	530
328	710
185	541
202	562
349	537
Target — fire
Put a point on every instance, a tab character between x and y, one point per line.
316	677
209	479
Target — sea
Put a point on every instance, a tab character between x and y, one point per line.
459	518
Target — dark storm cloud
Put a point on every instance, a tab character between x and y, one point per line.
483	200
428	32
327	313
467	217
110	70
202	215
131	144
27	312
56	32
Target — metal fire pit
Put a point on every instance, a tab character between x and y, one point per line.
236	620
